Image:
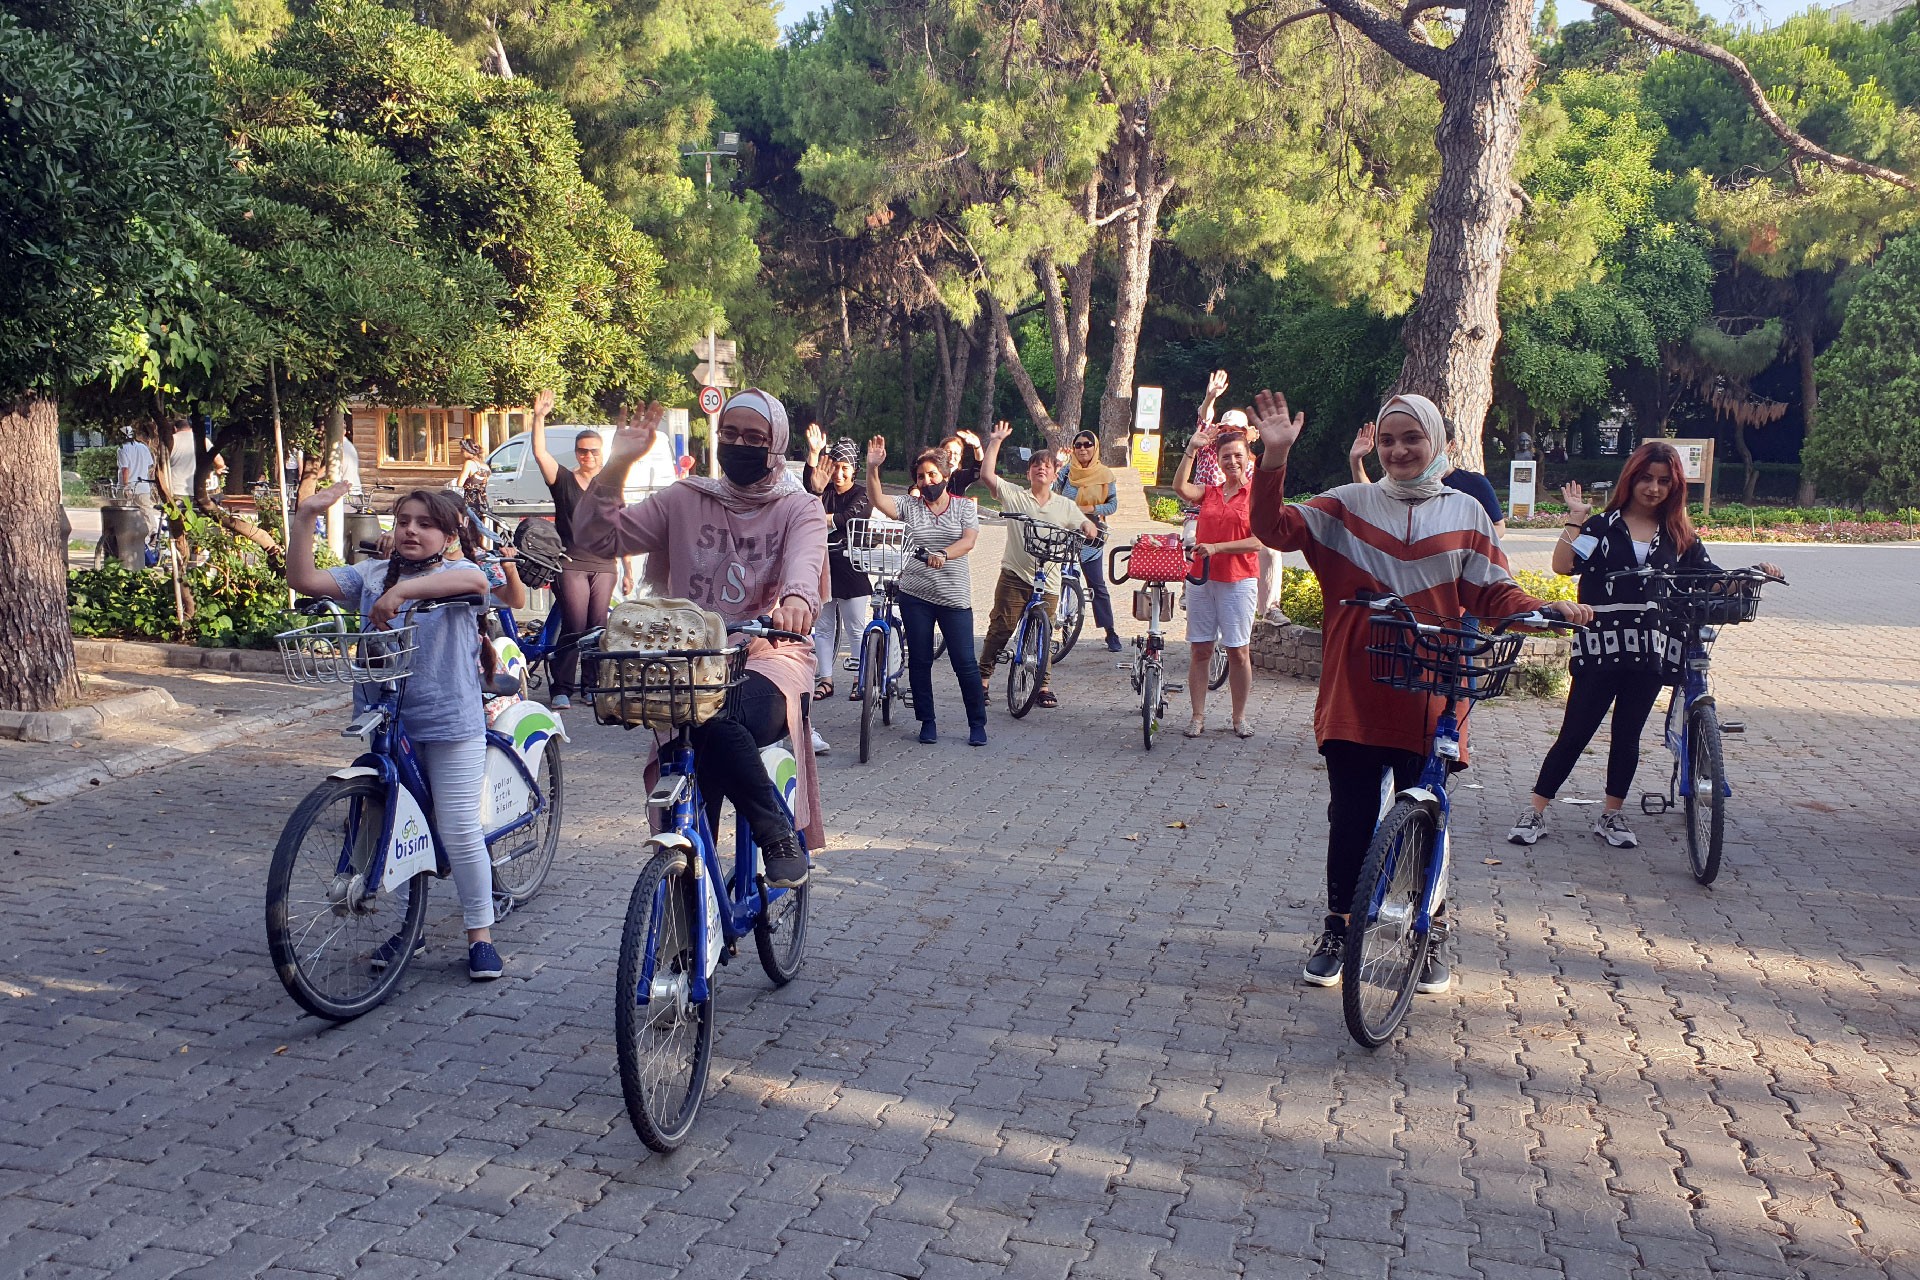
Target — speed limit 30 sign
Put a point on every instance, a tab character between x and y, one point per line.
711	400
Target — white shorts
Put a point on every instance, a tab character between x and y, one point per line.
1221	612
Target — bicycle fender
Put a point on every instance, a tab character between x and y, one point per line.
674	840
1704	700
355	771
1420	796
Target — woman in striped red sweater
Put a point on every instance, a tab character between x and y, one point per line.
1434	548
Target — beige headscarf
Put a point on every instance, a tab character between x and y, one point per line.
741	499
1428	483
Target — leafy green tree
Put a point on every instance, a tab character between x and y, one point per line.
106	145
1866	444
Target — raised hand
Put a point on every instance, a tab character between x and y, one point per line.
1578	508
543	404
969	439
876	453
1362	442
1278	428
1216	385
317	502
1204	435
816	440
1001	430
635	435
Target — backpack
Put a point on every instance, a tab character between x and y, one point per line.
540	548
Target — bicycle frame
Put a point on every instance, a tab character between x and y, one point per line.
1036	597
1431	790
886	620
1691	690
723	921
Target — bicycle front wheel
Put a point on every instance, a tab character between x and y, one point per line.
781	932
520	872
1706	799
1217	667
873	678
665	1044
1023	673
1149	705
323	929
1071	615
1384	949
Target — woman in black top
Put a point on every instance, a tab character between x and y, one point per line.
1630	652
848	606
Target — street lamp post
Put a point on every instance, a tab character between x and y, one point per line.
728	145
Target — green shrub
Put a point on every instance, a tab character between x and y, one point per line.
1300	597
1538	680
237	601
1547	586
1165	510
95	467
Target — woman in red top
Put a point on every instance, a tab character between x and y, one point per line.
1220	610
1428	544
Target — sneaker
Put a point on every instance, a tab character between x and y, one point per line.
1275	618
1436	976
820	745
977	736
785	862
928	733
1613	825
1532	825
1113	642
388	952
561	702
483	962
1323	966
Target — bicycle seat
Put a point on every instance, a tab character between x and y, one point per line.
501	685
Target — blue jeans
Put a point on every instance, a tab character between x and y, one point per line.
918	616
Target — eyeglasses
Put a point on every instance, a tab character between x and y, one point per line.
588	453
1083	444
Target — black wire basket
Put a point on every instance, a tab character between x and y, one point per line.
1051	544
1454	662
661	690
1711	599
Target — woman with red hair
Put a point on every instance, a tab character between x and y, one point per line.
1628	655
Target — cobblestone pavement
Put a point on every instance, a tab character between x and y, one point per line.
1041	1031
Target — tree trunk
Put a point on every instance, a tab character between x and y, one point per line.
1750	474
36	638
1138	231
989	379
1809	408
1453	330
909	421
958	365
1022	381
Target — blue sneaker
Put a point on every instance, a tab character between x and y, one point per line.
928	733
977	736
483	962
389	951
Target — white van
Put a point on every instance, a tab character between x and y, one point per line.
516	487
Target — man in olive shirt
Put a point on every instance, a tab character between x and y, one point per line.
1017	568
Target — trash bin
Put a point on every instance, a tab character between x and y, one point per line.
124	530
360	526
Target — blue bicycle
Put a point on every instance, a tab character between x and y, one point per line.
688	913
1698	603
347	890
1402	882
1033	647
878	548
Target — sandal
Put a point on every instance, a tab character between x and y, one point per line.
1046	699
853	694
1195	727
1241	729
822	689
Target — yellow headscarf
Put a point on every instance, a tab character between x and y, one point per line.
1089	482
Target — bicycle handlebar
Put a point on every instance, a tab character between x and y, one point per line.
1753	573
1547	619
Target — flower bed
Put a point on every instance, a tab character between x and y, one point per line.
1733	522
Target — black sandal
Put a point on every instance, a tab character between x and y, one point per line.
1046	699
822	688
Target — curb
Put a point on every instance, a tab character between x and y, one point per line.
65	726
41	792
148	653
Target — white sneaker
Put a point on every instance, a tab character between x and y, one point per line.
1532	825
1613	825
820	746
561	702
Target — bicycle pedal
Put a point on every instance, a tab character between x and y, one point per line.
1733	726
1174	688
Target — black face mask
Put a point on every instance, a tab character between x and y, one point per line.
931	492
744	464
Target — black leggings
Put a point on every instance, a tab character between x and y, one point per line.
726	753
1354	772
1631	694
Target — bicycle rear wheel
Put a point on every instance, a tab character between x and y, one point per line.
322	929
1217	667
1149	705
1384	951
1023	673
1070	615
1706	799
666	1044
519	875
873	677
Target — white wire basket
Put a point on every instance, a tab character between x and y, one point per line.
877	546
336	651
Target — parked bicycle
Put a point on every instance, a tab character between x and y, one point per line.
351	868
1698	603
1033	647
1402	881
529	646
1154	563
688	913
877	547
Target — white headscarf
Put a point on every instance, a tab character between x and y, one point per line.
741	499
1428	483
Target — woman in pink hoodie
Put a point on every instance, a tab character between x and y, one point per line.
749	543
